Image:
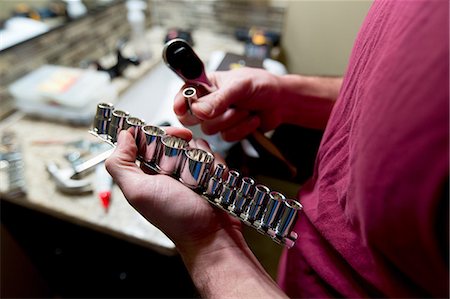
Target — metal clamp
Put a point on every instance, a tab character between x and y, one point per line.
269	212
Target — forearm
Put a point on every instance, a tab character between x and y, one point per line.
308	100
224	267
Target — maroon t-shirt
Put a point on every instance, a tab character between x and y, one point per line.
375	219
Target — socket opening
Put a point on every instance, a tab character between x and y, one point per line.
153	130
120	113
174	142
200	155
262	189
293	204
105	106
135	121
248	181
189	92
277	196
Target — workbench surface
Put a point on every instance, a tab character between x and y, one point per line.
121	220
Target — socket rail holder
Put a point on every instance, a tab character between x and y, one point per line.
269	212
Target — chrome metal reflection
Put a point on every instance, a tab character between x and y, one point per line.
215	182
151	142
118	119
196	164
287	219
242	196
134	125
172	149
275	203
190	95
229	189
258	203
102	118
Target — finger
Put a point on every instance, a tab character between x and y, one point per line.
181	109
217	102
189	119
241	130
179	106
182	133
122	162
224	122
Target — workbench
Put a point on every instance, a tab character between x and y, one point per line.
121	220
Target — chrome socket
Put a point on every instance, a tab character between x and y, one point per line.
228	193
102	118
171	154
269	219
268	212
118	119
242	196
287	218
190	95
257	204
151	144
214	186
195	167
134	125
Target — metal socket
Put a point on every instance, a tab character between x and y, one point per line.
214	186
134	125
287	219
242	197
232	178
190	95
196	164
269	219
229	189
219	170
151	142
118	119
102	118
258	203
227	195
171	152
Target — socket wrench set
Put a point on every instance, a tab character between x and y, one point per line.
269	212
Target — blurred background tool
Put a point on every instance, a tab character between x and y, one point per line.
259	42
71	180
103	184
12	178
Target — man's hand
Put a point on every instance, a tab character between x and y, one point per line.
249	99
209	240
245	100
179	212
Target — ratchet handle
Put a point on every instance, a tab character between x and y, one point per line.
183	61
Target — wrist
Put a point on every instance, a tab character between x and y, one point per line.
222	239
223	266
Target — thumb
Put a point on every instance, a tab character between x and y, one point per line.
122	162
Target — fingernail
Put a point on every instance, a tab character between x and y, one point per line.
204	107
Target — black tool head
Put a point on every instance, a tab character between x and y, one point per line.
181	58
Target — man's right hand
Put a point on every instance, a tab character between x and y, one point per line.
245	100
249	99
